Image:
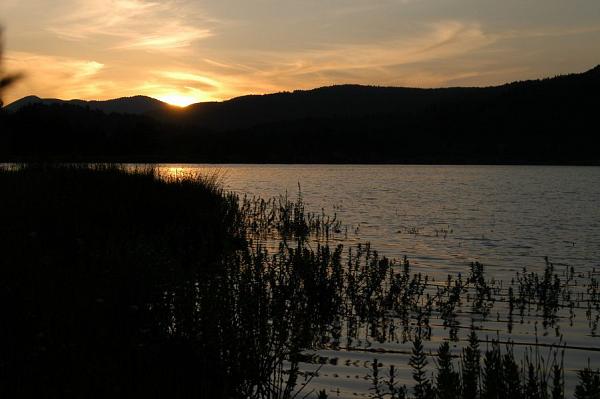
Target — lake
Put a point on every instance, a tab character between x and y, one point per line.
443	218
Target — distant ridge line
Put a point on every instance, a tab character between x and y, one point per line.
33	99
547	122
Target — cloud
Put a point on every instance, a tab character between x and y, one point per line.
178	87
251	71
167	38
345	8
548	31
444	53
132	24
174	93
51	76
374	63
193	79
113	48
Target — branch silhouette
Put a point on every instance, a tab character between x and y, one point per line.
6	80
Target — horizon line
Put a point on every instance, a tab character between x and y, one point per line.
596	67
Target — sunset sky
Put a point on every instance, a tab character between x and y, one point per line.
185	51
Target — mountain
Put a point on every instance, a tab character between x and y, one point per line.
544	121
137	105
326	102
352	101
342	101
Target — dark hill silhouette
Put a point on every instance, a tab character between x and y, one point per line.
546	121
137	105
326	102
350	101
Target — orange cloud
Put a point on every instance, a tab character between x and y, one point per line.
130	24
55	76
172	49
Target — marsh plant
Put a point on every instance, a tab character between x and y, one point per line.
494	373
120	282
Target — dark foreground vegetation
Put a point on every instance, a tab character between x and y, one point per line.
548	121
122	284
98	274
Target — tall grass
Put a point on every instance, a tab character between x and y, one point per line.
99	267
122	282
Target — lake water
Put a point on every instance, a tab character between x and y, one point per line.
442	218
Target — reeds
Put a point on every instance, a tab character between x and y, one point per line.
493	374
119	281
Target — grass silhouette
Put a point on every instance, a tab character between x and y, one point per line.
120	282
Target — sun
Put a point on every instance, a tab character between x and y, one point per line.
179	100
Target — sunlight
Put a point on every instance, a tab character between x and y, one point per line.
179	100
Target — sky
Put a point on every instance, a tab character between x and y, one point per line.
185	51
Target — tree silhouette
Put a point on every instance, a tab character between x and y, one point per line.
338	124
